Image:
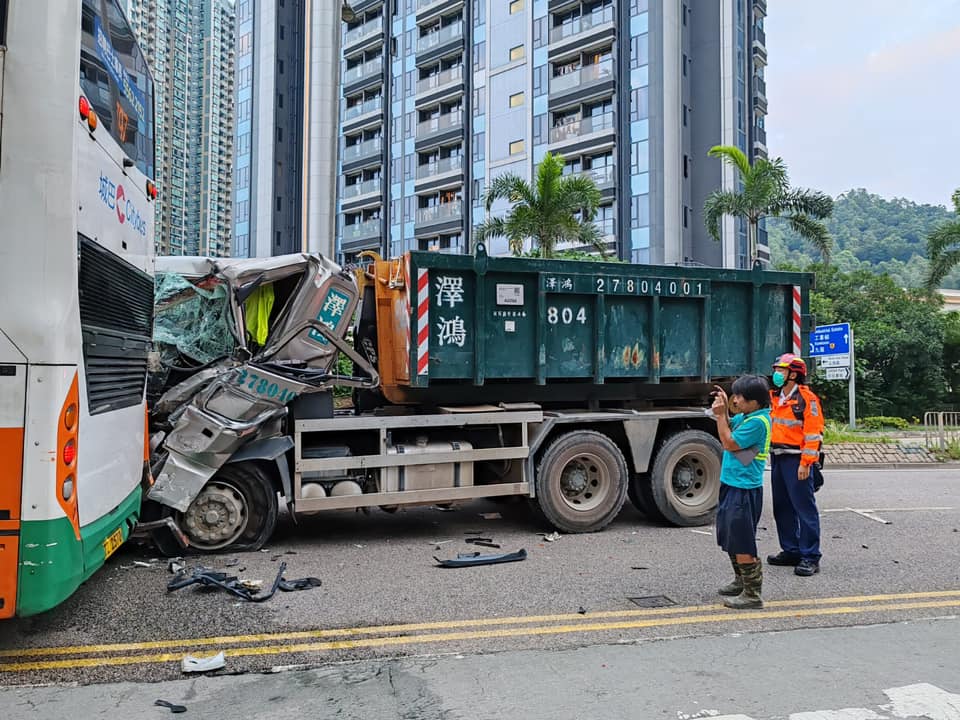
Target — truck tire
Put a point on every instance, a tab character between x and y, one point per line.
581	482
641	495
685	481
236	510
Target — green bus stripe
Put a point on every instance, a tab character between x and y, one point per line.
53	563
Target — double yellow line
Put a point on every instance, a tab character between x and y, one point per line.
315	641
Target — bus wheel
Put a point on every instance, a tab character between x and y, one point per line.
236	509
581	482
686	478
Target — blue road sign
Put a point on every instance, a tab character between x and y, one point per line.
830	340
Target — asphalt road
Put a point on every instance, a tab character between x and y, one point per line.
378	573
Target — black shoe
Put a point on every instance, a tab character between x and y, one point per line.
782	558
806	568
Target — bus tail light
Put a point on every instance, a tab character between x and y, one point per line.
67	443
87	113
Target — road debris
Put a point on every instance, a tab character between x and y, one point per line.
140	563
639	567
191	664
582	610
471	559
173	708
551	537
245	589
491	516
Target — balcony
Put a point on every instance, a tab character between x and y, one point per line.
603	176
759	134
367	187
361	72
607	228
360	231
760	104
439	124
584	76
368	106
440	167
581	128
360	151
759	47
581	25
759	85
365	31
440	213
445	77
440	37
760	6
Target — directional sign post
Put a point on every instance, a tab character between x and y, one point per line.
833	345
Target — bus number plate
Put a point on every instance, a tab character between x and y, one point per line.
111	544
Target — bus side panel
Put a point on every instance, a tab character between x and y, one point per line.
12	390
56	552
51	557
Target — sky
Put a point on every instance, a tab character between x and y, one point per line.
866	93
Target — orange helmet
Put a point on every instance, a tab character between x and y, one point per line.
791	362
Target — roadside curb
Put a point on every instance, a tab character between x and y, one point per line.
891	466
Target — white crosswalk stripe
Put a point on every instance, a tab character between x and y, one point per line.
921	701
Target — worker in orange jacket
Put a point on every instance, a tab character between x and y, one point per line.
796	415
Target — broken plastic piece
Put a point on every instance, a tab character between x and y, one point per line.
173	708
470	559
552	537
204	664
306	583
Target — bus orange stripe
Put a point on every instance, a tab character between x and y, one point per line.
11	477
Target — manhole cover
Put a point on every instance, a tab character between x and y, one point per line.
652	601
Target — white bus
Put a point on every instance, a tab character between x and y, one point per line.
76	259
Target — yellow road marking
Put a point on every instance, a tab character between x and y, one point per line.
481	634
451	624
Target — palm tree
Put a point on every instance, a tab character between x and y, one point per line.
943	247
767	193
557	209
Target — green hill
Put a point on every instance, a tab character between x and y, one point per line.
870	233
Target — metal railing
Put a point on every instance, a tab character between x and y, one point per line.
443	211
601	176
583	76
581	24
364	31
581	127
361	188
361	230
941	429
367	106
361	150
442	122
441	78
444	34
370	67
438	167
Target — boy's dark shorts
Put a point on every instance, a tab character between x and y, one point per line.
737	517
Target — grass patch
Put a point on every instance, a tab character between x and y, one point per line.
834	433
951	452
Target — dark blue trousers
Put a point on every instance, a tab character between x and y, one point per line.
795	509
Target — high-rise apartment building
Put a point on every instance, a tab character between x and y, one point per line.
285	159
440	96
190	47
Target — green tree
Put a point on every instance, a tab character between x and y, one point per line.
899	343
556	209
767	193
943	247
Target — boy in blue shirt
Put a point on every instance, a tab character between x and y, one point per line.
746	443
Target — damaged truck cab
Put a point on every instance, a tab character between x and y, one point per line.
575	384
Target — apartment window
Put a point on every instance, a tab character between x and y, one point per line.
279	203
279	134
279	100
280	67
243	10
281	32
277	238
243	46
686	166
686	215
517	147
516	6
684	115
517	53
516	100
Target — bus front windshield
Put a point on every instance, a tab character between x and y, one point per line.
116	80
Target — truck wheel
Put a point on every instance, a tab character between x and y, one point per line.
686	478
581	482
641	495
236	509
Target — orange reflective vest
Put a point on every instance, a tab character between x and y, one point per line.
797	425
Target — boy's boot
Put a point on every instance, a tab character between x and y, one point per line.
752	576
735	587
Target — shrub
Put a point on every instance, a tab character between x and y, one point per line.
880	422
